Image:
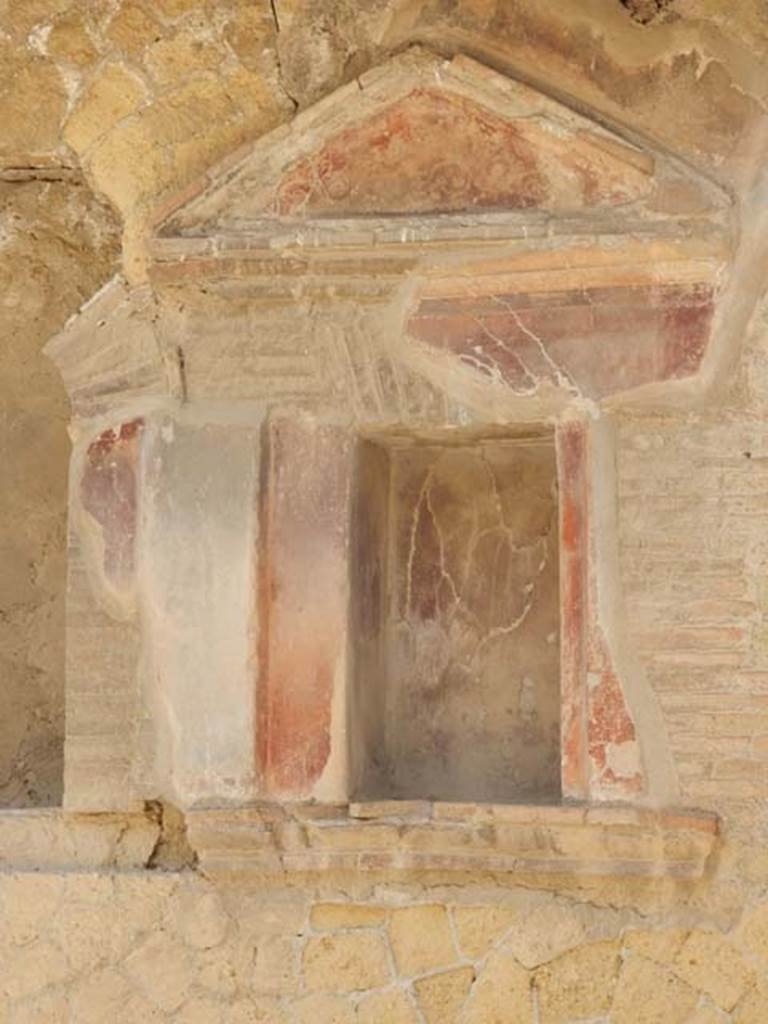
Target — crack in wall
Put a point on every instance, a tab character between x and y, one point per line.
172	851
273	6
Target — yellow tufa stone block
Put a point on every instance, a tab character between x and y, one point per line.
167	143
132	29
27	970
257	1011
752	935
260	916
421	939
32	902
544	933
219	970
47	1007
32	104
480	928
249	31
175	8
162	969
501	994
648	993
274	966
113	95
84	932
181	56
346	962
201	919
351	837
708	1015
442	996
107	996
328	916
660	946
391	1007
753	1007
322	1008
711	964
69	41
200	1011
579	983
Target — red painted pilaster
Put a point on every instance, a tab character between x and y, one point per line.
303	598
572	459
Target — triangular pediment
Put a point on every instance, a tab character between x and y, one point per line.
421	137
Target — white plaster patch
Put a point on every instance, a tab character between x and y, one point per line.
623	758
38	39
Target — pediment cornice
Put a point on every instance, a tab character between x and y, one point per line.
423	154
432	221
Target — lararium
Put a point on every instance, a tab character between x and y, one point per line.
341	507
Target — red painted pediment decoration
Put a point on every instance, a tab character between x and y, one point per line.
457	157
423	136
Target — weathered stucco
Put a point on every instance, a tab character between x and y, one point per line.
110	109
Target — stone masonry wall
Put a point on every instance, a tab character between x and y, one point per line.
155	947
108	106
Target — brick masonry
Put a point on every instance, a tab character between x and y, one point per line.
693	574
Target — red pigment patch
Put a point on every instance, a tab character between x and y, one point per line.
427	153
572	482
609	719
108	492
599	340
434	152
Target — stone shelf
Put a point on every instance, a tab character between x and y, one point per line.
264	839
571	840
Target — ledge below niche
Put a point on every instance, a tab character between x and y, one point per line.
522	840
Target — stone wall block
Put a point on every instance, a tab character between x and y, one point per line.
501	994
421	939
346	962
